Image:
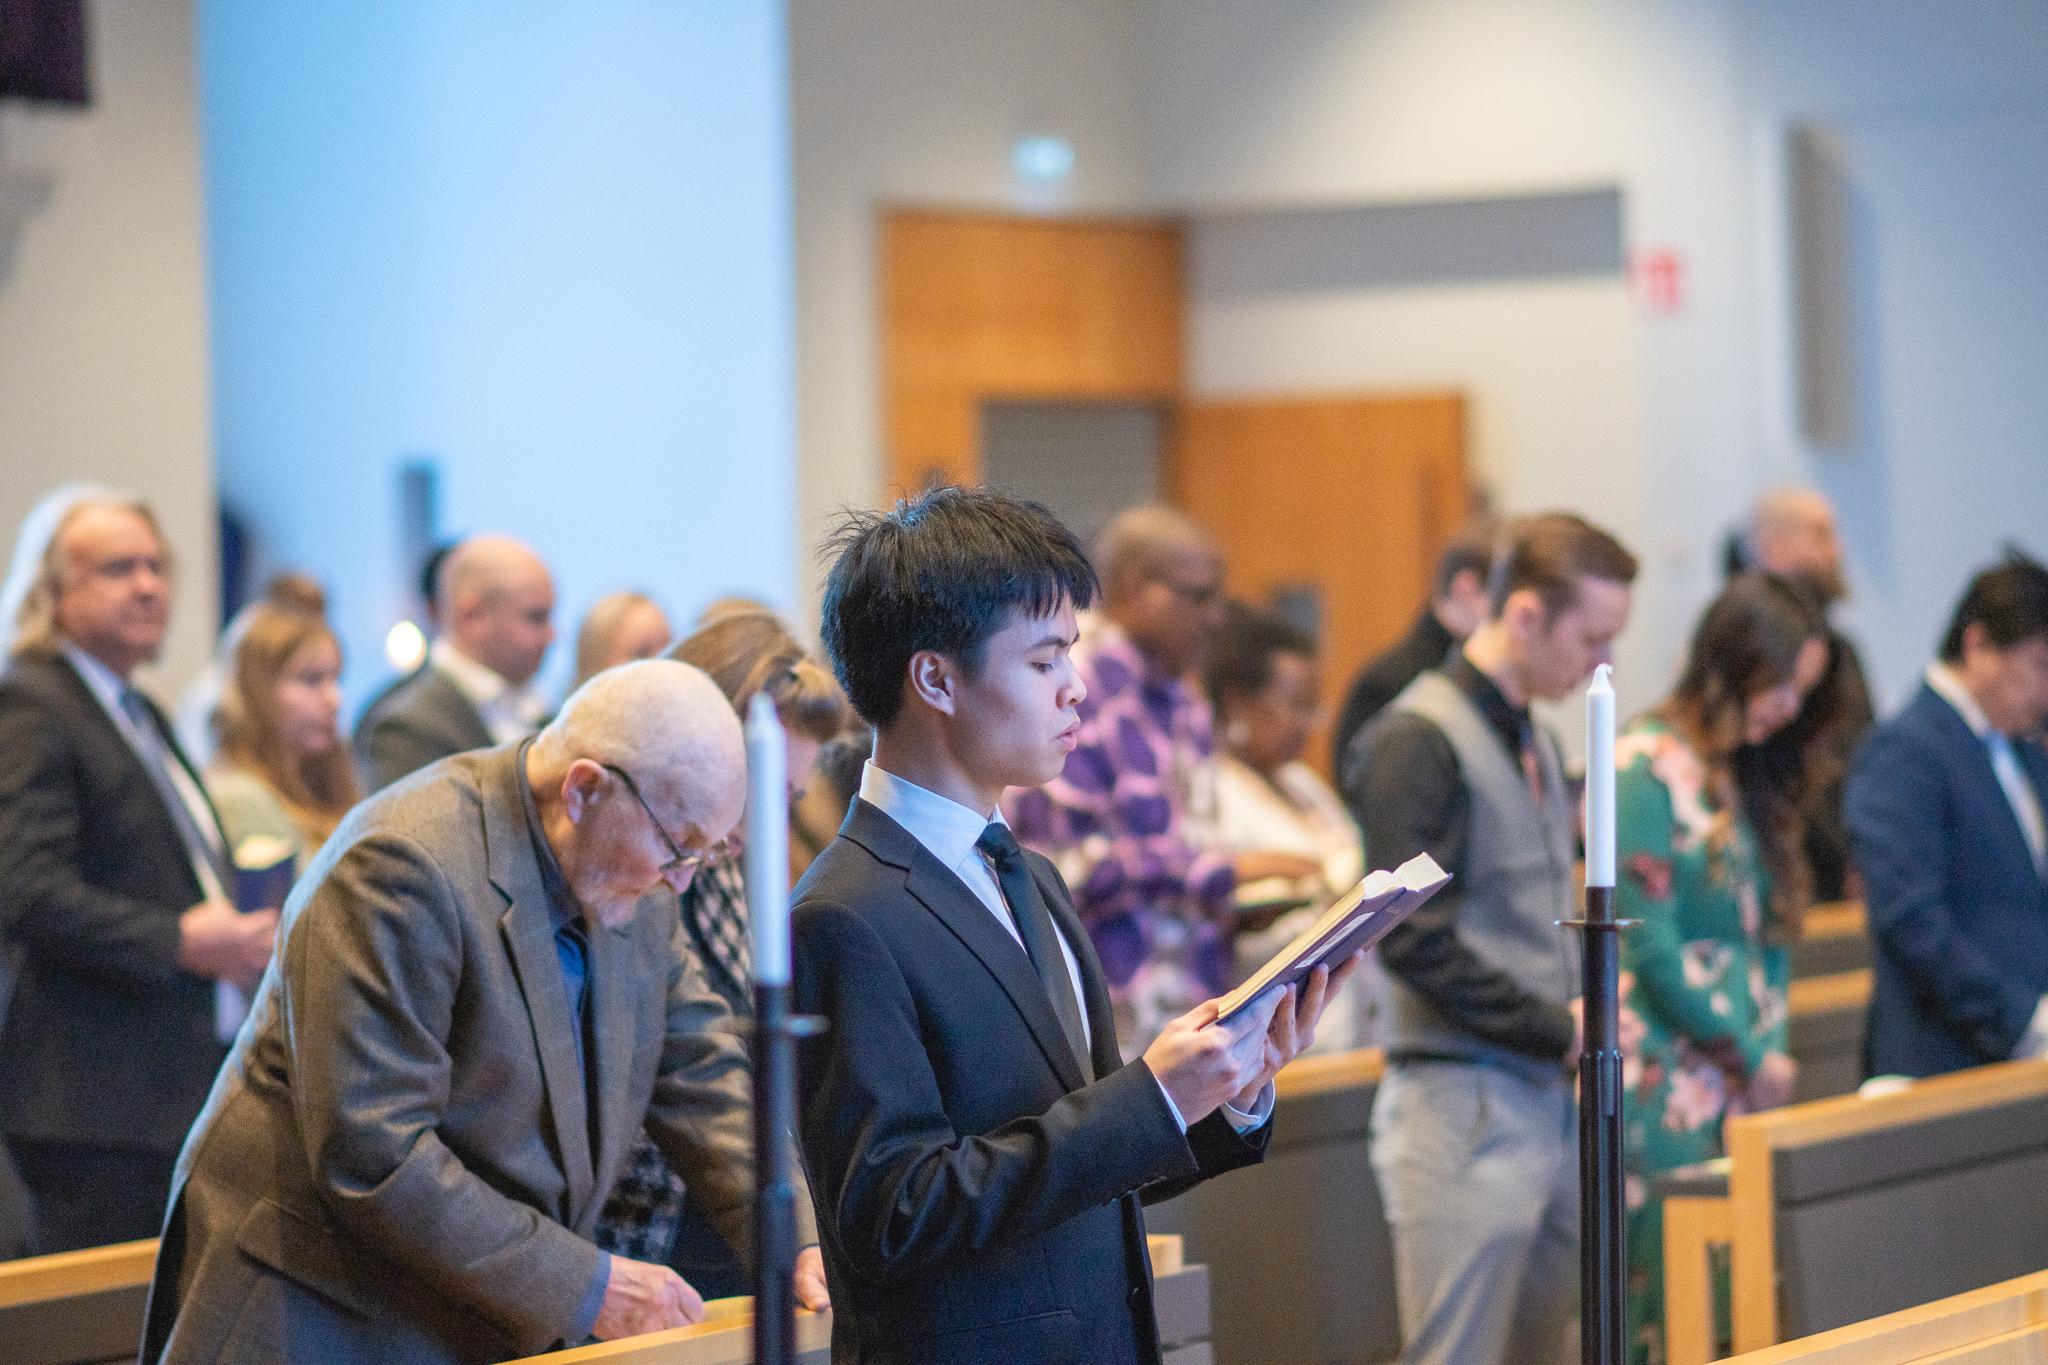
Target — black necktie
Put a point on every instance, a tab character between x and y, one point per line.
1035	927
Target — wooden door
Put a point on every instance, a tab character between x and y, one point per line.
979	307
1337	502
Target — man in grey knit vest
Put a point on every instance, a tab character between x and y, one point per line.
1474	1130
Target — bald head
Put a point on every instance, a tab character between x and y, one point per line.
668	725
1162	582
1792	533
643	770
496	601
1146	541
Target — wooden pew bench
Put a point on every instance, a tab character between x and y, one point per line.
1843	1209
1301	1260
1830	996
76	1306
2004	1324
1834	937
726	1336
1825	1033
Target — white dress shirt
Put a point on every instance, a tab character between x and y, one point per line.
508	712
949	831
2019	794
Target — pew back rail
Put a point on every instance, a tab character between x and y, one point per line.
1845	1208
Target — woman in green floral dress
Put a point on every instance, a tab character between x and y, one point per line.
1706	804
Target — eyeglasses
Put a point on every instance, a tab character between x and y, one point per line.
1196	595
679	861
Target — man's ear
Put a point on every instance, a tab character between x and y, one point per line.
579	788
935	681
1524	614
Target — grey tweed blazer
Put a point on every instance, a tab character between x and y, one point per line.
397	1161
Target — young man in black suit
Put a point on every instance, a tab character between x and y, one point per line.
977	1151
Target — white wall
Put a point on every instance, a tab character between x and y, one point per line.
1518	303
103	368
916	102
1937	112
546	247
1227	108
1937	121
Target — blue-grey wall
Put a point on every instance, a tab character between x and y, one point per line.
546	247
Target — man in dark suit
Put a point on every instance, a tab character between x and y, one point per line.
495	602
1945	808
1457	604
113	881
481	996
976	1148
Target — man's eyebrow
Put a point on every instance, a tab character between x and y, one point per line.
1058	642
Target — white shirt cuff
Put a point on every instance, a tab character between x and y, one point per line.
2034	1042
1171	1107
1261	1115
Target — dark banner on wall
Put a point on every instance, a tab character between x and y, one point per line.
42	51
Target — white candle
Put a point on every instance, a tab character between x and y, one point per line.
1600	778
767	856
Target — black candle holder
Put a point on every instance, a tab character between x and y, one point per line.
1603	1232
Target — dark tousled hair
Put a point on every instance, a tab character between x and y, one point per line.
2009	599
942	571
1471	552
1241	657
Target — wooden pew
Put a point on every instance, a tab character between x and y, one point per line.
1834	937
1298	1247
1847	1208
1830	997
1825	1032
725	1337
2004	1324
76	1306
1829	1002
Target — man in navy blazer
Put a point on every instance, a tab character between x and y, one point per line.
1945	809
977	1149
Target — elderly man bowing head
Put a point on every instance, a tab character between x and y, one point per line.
478	999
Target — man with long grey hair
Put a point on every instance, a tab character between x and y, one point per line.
113	879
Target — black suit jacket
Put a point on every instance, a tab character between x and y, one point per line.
978	1197
421	719
108	1042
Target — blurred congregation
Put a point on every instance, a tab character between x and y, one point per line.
1136	541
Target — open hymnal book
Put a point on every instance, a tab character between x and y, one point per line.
1357	919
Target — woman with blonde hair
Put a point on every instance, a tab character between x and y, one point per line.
747	652
280	769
